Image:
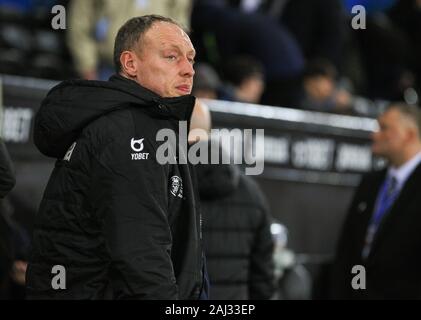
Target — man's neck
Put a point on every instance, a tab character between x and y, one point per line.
125	75
406	156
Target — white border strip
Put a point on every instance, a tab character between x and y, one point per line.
293	115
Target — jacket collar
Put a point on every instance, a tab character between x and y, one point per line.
178	108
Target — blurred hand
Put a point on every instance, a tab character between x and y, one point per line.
90	75
19	272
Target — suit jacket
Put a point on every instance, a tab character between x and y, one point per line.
393	267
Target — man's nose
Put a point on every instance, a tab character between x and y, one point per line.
187	69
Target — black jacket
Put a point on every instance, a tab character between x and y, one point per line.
394	263
7	174
236	234
7	182
111	214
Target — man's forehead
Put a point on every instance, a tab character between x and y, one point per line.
392	116
391	112
386	116
169	33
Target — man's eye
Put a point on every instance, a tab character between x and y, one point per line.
171	57
192	61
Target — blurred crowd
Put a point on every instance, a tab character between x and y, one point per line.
299	54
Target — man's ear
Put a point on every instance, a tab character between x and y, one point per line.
411	133
129	63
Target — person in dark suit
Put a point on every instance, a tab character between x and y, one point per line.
236	222
382	231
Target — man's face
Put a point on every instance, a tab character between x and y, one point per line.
165	62
252	89
319	88
392	136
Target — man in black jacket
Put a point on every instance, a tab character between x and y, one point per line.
114	222
382	230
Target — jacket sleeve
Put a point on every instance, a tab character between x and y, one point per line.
261	265
130	196
7	176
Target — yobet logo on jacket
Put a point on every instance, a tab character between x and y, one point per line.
137	146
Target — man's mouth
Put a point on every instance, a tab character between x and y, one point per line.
184	88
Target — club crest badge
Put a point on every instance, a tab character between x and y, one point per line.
176	186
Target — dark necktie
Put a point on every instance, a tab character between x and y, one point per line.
387	196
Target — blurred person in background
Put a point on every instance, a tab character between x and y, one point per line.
406	15
318	26
244	79
221	31
323	91
382	52
7	175
93	25
382	229
8	265
207	84
29	6
236	224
